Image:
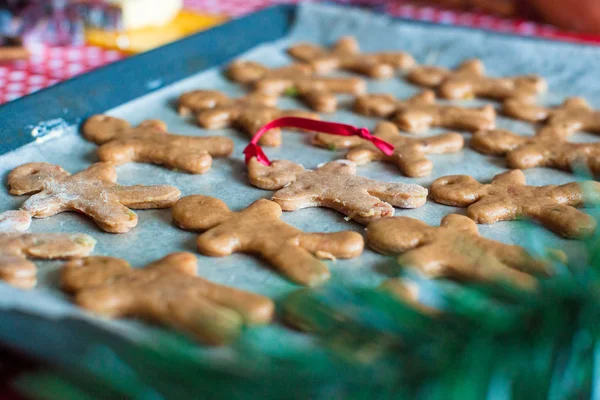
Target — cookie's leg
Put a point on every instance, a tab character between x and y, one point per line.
412	163
400	194
518	258
320	100
565	220
110	216
333	245
18	272
202	318
362	156
297	264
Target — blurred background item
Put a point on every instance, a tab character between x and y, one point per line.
578	15
503	8
11	49
128	25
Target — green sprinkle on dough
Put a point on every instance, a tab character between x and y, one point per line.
291	92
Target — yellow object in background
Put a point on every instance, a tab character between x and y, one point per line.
142	39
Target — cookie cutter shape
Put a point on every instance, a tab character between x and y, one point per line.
573	115
334	185
167	292
259	230
548	148
508	198
17	248
421	112
216	110
93	192
409	152
345	54
455	250
317	92
468	81
150	142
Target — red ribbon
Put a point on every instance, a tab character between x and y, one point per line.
333	128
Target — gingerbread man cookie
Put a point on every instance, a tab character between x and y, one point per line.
258	230
334	185
420	113
345	54
93	192
317	92
508	198
409	153
16	248
215	110
456	250
574	115
167	292
469	81
151	143
548	148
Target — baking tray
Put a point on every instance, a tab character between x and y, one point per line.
44	127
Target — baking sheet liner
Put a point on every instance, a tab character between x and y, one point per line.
570	70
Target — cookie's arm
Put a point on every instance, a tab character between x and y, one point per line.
141	197
334	142
492	209
51	246
401	195
333	245
517	108
497	141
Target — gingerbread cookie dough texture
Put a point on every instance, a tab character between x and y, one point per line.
258	230
573	115
454	250
150	142
166	292
317	92
420	113
17	248
93	192
508	198
468	81
345	55
409	152
334	185
216	110
549	147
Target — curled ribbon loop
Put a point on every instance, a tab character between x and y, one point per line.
333	128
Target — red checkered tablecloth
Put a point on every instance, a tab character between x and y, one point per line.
49	65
